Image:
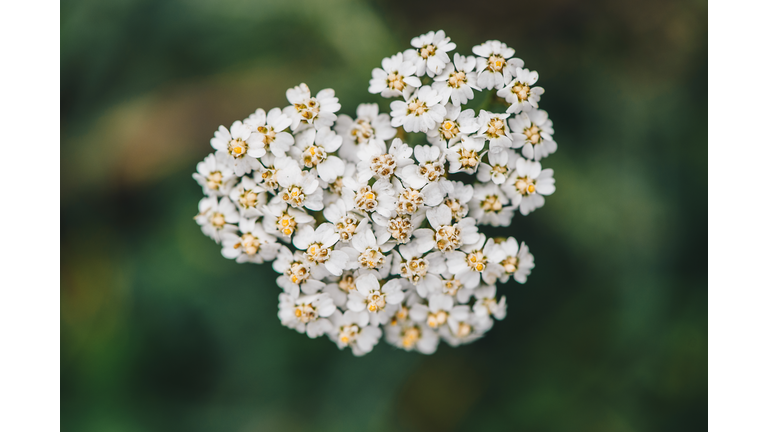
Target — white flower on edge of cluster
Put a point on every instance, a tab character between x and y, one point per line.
490	206
475	260
370	295
306	110
217	216
235	146
268	131
351	329
254	245
517	261
532	130
214	175
527	185
495	66
431	53
396	78
520	93
306	314
365	267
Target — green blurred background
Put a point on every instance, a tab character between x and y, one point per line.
161	333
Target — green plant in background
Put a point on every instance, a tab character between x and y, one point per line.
159	332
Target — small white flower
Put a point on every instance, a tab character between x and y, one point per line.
493	127
431	53
334	189
379	198
370	295
346	222
465	155
248	197
339	287
409	200
486	304
307	110
380	163
455	125
499	167
533	131
266	174
520	93
313	148
306	314
420	112
489	206
398	227
217	217
452	286
528	184
395	78
298	188
422	271
253	244
318	246
517	262
214	175
464	331
459	194
370	128
235	144
457	80
295	273
474	261
370	253
495	67
440	309
267	131
429	175
352	329
411	335
445	236
282	220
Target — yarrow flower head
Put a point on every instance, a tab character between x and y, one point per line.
374	233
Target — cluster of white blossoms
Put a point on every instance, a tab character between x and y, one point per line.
372	222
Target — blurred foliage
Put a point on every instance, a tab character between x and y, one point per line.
160	333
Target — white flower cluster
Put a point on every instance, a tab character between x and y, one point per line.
373	236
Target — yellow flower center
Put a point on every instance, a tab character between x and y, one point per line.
395	81
457	78
417	107
476	260
213	181
237	148
521	90
437	319
496	128
308	111
365	199
491	203
510	264
448	238
533	134
525	185
496	63
249	243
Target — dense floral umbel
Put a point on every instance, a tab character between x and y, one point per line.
372	223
